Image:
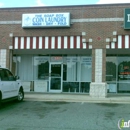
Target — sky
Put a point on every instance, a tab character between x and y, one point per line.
33	3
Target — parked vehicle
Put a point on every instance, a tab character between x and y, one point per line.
10	86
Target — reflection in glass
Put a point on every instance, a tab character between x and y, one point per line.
123	87
118	74
43	71
85	87
71	87
111	69
71	68
77	73
56	70
41	67
55	83
86	71
25	67
123	74
64	72
86	68
124	70
111	74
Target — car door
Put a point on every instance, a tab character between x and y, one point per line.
13	85
4	84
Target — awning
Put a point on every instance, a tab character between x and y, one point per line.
56	42
122	42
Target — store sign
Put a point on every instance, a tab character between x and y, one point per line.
124	70
127	19
40	60
86	61
56	58
46	20
70	59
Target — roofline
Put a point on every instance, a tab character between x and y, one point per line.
64	6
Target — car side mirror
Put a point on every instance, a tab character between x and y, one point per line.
16	77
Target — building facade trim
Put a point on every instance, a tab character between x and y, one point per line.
75	20
123	42
54	42
97	20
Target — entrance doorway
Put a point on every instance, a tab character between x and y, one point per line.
55	75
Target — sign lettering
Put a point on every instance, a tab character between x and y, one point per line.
127	18
46	20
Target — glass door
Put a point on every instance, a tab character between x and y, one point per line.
55	76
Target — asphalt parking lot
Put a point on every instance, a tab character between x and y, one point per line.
43	115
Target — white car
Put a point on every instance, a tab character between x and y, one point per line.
10	87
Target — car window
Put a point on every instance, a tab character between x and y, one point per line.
3	75
6	75
9	75
0	73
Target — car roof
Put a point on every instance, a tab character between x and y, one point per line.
3	68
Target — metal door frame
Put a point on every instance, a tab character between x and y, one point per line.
52	63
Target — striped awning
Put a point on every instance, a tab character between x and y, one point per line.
122	42
57	42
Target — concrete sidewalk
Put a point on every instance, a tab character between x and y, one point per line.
68	97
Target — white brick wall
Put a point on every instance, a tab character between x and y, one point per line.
3	58
98	90
98	65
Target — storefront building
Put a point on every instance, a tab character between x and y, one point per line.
69	49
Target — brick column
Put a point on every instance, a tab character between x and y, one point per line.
98	86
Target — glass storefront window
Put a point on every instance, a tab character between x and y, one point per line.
123	68
111	74
71	87
43	74
77	73
118	74
41	68
111	69
85	87
71	69
86	68
123	74
24	67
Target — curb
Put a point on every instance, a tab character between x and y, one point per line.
77	100
54	97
